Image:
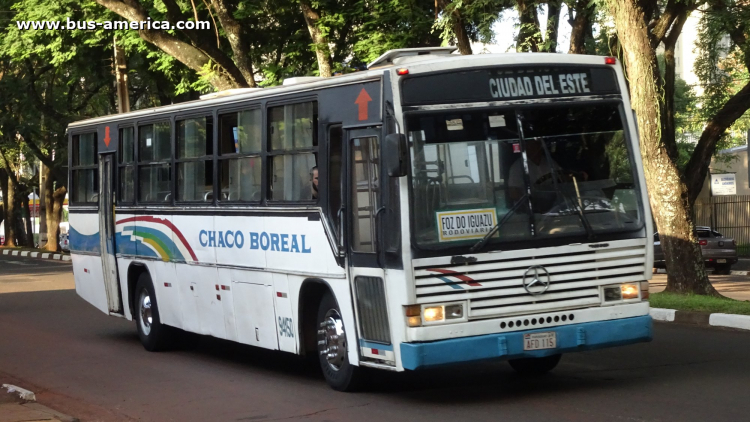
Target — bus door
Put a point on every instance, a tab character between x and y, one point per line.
364	237
107	231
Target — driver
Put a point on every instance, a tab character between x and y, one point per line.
540	171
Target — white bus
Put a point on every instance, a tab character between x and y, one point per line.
431	210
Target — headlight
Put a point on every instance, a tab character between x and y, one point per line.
416	315
629	291
433	314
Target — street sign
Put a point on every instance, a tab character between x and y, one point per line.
723	184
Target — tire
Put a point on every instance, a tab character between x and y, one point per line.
535	366
154	335
333	347
723	269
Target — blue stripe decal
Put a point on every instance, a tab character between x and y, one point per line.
84	243
570	338
450	282
371	345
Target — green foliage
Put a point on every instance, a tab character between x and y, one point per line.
722	65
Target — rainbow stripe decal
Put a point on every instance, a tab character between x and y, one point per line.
451	282
151	236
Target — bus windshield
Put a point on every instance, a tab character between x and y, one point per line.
541	172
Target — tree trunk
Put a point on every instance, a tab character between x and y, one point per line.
667	192
553	25
55	201
10	212
43	193
320	42
580	27
530	34
4	208
29	237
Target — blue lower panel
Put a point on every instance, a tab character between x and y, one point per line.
570	338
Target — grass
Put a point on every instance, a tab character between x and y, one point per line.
699	303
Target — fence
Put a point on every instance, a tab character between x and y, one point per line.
729	215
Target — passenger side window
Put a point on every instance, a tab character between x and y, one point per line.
85	172
293	144
195	166
154	163
239	156
365	193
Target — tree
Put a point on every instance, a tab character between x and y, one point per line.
641	28
51	78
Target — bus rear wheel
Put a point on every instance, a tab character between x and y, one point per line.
333	347
153	334
535	366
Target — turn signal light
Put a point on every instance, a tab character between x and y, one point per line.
402	71
413	315
610	60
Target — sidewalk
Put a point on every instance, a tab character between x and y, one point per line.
732	286
15	409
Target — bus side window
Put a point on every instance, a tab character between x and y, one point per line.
85	169
292	131
195	159
155	161
239	156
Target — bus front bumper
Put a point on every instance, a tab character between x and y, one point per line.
570	338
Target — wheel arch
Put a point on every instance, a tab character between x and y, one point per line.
134	272
310	295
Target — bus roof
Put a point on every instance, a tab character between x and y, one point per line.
433	59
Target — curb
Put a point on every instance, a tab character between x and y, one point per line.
740	322
663	271
41	255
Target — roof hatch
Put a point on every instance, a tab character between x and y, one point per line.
390	57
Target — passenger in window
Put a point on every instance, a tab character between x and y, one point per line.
311	191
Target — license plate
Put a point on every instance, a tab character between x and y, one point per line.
721	261
540	341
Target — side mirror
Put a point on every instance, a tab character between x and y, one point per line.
395	154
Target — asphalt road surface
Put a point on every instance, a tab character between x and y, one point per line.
89	365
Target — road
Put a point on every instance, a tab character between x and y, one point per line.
89	365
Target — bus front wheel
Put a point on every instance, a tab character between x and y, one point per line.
153	334
535	366
333	347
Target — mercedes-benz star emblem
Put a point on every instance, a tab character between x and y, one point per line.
536	280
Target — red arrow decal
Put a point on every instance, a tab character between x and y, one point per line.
107	139
362	101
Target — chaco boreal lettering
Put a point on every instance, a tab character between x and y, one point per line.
279	242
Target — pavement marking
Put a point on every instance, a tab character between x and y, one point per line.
34	254
24	253
45	255
14	253
66	258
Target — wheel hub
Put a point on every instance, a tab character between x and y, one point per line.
144	305
332	339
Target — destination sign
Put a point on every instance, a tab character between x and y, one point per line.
509	84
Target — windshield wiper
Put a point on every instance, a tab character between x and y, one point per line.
483	241
581	215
